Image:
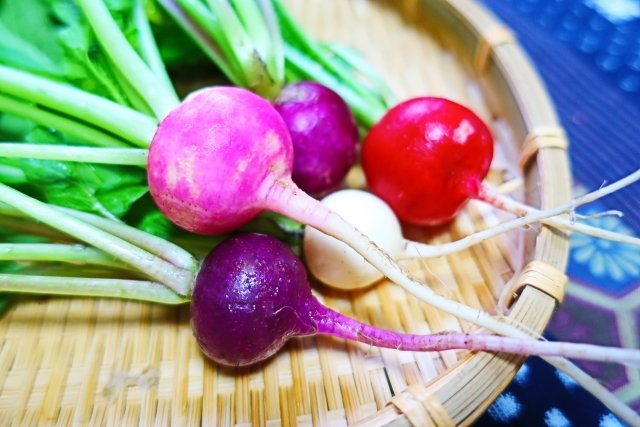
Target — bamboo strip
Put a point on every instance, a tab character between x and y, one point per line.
210	393
163	416
318	405
89	381
115	411
287	407
242	396
181	378
300	385
257	408
28	378
350	394
57	383
225	410
131	415
149	401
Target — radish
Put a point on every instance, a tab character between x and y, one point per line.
337	265
427	158
252	294
324	135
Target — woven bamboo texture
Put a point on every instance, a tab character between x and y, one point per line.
106	362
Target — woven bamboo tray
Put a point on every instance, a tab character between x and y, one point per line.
59	357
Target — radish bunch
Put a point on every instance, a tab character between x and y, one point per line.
222	156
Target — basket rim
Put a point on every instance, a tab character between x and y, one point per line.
499	61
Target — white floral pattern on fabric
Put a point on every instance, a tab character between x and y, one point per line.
616	11
505	408
605	258
555	418
566	380
609	421
522	377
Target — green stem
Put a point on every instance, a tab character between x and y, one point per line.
59	123
212	25
149	48
131	95
178	279
277	44
153	244
77	254
365	105
313	49
191	16
357	64
233	38
88	287
25	226
198	244
100	112
111	156
253	21
127	60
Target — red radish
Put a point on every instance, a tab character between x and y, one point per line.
324	135
426	158
252	294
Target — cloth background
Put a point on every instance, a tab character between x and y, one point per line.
588	54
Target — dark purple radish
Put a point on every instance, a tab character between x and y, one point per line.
251	295
324	135
247	300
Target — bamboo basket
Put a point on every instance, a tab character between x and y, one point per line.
106	362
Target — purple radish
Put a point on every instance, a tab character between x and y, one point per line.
251	295
324	135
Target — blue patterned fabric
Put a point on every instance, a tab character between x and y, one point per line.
588	54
